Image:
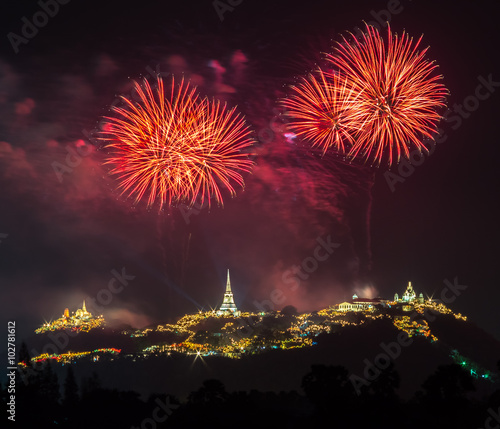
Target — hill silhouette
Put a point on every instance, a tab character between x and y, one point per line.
353	347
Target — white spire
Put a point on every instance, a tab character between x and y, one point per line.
228	305
228	283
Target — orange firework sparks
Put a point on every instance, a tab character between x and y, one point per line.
379	100
321	110
176	146
398	95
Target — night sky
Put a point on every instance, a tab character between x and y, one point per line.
63	235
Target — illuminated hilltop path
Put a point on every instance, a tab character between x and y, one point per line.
233	334
236	334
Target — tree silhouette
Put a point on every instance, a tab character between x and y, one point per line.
49	384
383	388
448	383
289	310
211	392
26	375
90	384
24	354
330	390
70	398
380	399
444	400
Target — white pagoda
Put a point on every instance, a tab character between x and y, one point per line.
228	306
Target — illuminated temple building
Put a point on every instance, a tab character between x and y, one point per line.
228	306
359	304
409	296
80	320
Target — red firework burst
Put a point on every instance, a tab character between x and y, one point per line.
175	146
380	100
397	94
321	109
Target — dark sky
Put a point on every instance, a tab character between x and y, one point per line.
61	239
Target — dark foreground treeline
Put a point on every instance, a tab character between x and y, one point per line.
327	399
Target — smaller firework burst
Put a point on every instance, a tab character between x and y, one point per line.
321	109
174	146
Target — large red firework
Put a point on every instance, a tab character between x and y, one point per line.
386	93
399	94
176	146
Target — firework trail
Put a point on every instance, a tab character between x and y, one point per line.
184	258
175	146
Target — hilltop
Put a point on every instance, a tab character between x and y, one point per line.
265	350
